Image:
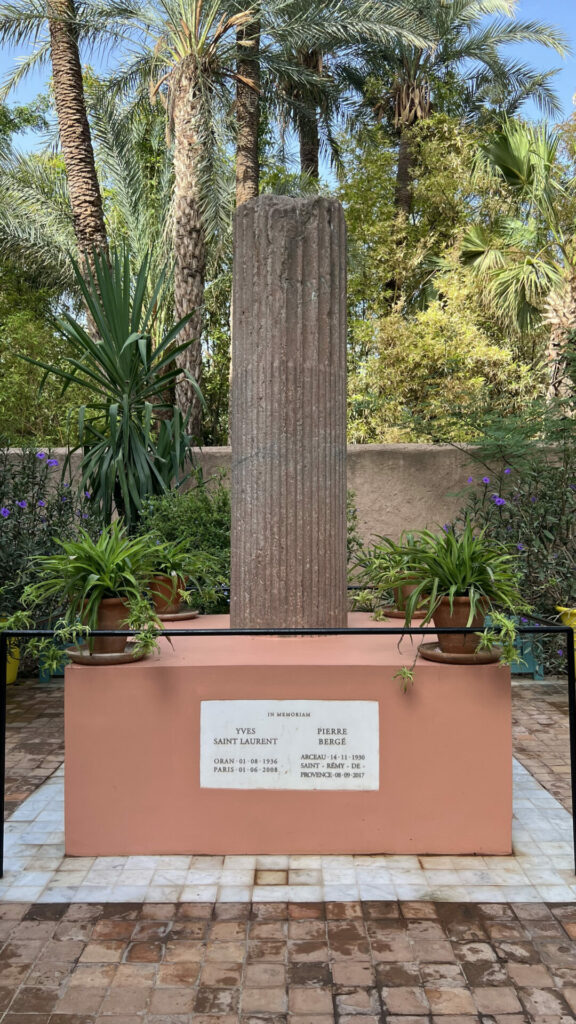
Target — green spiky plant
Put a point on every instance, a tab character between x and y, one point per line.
134	440
454	564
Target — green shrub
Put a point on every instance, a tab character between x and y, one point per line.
201	516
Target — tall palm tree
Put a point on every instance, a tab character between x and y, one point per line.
403	83
135	167
52	27
528	259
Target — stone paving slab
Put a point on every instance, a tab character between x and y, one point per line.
277	963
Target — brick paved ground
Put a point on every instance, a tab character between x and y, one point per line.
299	964
34	738
540	730
353	963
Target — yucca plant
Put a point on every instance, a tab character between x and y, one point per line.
134	439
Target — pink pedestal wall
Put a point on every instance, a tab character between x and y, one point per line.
133	752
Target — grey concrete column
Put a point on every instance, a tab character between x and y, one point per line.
288	414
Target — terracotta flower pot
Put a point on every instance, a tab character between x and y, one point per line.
457	643
164	594
401	595
112	614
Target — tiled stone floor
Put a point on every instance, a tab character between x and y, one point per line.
273	963
541	869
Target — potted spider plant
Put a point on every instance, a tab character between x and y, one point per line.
103	583
178	574
381	566
458	577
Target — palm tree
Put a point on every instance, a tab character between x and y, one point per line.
403	83
135	166
527	259
53	28
309	92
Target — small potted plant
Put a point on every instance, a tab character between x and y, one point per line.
380	566
458	577
178	574
104	583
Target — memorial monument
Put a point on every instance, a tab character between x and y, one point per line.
301	744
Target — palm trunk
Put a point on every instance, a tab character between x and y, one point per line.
309	138
247	112
561	316
74	129
403	189
307	124
189	238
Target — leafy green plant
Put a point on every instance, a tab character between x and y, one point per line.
85	571
201	515
134	440
195	575
458	563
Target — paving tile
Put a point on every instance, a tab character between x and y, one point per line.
444	1001
264	1000
496	1000
309	1000
405	1000
260	975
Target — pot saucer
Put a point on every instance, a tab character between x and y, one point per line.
83	657
187	613
397	613
432	652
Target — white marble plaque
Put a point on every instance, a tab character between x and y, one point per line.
289	744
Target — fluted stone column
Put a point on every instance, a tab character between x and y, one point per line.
288	414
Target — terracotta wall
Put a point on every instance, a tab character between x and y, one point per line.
396	486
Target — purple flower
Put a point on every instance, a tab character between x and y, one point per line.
4	512
500	501
470	480
52	462
22	504
87	494
40	455
446	527
66	485
520	547
64	498
532	499
507	470
485	479
560	651
84	515
41	504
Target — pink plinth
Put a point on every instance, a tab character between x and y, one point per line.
133	749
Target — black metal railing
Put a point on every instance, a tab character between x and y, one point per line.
546	628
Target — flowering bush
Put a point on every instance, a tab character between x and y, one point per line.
529	503
36	507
